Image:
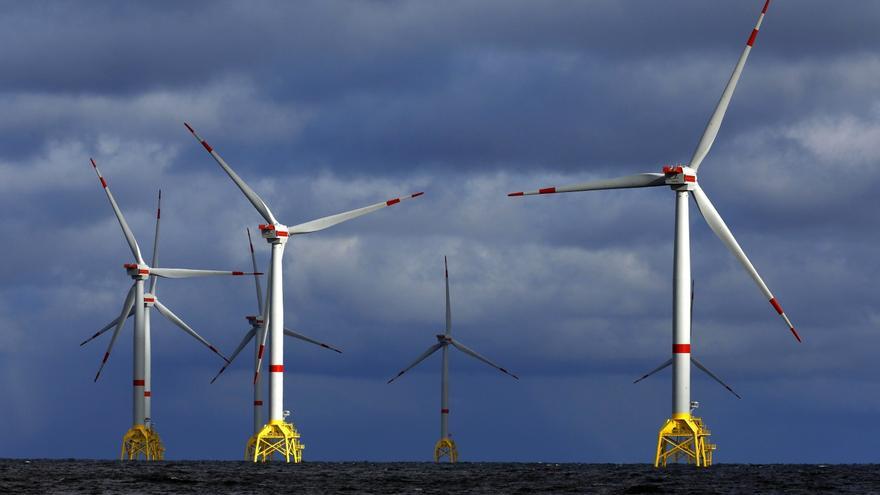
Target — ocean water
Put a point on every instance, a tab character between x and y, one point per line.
207	477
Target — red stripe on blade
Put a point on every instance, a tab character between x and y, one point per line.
752	37
276	368
392	202
138	383
238	273
766	4
681	348
794	332
106	356
547	190
207	146
103	182
260	354
776	305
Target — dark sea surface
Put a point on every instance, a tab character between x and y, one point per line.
70	476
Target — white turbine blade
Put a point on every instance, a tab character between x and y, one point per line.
461	347
132	243
155	261
256	274
263	332
655	370
718	115
252	196
720	228
714	377
297	335
627	182
188	273
448	308
323	223
173	318
104	329
120	322
422	357
247	338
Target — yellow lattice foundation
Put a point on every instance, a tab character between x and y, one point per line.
141	442
684	439
277	437
445	447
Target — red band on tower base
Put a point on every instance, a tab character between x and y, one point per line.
258	403
444	411
276	368
138	383
147	393
681	348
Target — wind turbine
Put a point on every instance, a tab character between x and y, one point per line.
256	334
141	439
684	434
445	447
279	436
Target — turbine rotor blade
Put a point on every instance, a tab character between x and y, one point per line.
247	338
173	318
263	330
461	347
655	370
104	329
716	223
120	322
188	273
132	243
256	276
297	335
249	193
422	357
717	117
627	182
325	222
155	261
714	377
448	307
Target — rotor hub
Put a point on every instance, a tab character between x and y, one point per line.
446	339
137	271
680	177
274	233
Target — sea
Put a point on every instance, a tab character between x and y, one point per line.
19	476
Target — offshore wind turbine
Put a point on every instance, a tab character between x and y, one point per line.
445	447
255	333
141	440
279	436
683	434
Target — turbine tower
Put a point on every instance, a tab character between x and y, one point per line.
684	434
278	436
141	440
445	447
256	334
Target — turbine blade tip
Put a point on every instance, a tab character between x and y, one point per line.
794	332
416	195
189	127
519	193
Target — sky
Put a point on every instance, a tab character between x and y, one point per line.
325	106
